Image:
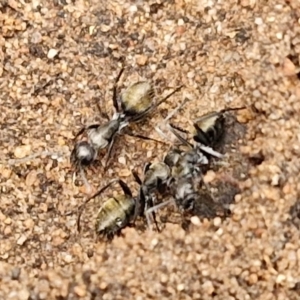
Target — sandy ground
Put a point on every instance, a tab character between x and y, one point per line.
59	57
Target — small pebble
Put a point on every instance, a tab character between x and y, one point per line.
208	287
217	221
288	68
67	258
36	37
141	60
21	240
15	273
280	278
80	290
122	160
31	178
52	53
22	151
195	221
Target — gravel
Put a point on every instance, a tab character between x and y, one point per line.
58	58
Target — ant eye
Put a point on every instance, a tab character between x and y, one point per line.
188	204
119	222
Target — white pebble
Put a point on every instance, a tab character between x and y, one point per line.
122	160
280	278
36	38
195	221
279	35
258	21
21	240
22	151
52	53
217	221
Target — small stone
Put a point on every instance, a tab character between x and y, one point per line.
141	60
36	4
103	286
275	180
21	240
180	30
124	172
164	278
280	278
67	258
13	4
6	173
80	290
57	240
208	287
90	253
279	35
180	287
258	21
29	223
122	160
248	3
8	221
52	53
87	189
22	151
288	68
23	295
133	8
209	176
244	116
31	178
154	242
217	221
104	28
195	221
15	273
180	22
7	230
92	30
36	38
253	279
61	141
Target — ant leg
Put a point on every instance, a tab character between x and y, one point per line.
110	148
115	98
140	203
167	97
130	133
103	114
137	177
221	163
125	188
174	130
169	116
150	204
217	113
157	207
87	185
210	151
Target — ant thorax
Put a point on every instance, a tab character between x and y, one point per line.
185	195
101	136
195	157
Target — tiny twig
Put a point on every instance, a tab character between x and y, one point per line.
31	157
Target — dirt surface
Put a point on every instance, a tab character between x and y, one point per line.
57	58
